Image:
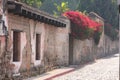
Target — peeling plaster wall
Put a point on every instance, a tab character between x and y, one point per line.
21	24
23	40
54	44
38	28
2	45
111	46
57	46
82	51
85	51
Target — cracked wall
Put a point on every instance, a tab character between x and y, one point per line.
54	45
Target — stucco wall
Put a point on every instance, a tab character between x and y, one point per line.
111	46
2	45
85	51
82	50
54	43
56	46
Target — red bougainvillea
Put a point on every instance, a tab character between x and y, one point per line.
81	25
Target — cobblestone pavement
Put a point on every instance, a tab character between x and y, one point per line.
103	69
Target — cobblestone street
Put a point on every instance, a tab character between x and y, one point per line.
103	69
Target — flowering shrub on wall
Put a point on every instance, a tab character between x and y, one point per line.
82	27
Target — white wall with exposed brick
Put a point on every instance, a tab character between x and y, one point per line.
54	43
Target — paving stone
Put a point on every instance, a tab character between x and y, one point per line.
103	69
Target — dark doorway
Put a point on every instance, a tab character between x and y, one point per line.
70	49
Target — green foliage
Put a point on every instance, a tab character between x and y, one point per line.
111	32
82	27
81	34
48	5
34	3
63	7
107	9
85	12
96	37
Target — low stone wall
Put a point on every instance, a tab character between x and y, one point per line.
85	51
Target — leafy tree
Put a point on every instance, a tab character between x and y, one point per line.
34	3
108	10
63	7
48	5
105	8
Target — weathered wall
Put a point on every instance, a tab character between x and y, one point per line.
2	45
87	50
2	51
54	44
111	46
84	51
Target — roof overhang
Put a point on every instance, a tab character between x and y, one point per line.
21	9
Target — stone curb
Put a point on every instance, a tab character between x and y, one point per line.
60	74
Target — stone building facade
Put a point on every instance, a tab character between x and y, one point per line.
39	44
35	42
